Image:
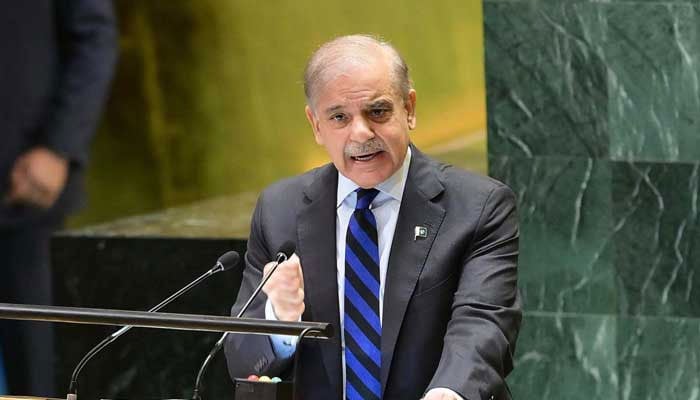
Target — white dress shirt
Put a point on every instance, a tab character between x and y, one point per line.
385	208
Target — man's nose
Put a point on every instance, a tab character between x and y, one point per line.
361	130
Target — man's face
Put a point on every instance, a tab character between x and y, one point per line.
363	122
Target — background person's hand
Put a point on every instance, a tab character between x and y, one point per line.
285	289
37	178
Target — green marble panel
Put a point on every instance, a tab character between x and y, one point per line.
566	357
565	262
659	358
593	120
655	215
653	81
545	78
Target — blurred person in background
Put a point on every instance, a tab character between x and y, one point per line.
56	62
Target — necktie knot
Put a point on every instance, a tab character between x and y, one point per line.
365	198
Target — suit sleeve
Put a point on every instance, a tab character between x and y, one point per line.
253	354
486	312
87	54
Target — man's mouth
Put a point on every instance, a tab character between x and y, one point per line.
366	157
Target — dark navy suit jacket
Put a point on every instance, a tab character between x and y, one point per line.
451	305
56	61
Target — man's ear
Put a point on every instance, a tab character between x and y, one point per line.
313	121
410	105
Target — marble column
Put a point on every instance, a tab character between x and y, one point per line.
593	120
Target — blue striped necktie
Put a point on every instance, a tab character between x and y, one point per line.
361	324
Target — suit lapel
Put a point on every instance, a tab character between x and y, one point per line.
408	254
317	246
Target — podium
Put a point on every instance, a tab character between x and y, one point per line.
188	322
6	397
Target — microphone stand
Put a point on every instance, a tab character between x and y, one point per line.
297	356
220	343
72	388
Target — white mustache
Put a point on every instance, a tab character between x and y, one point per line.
359	149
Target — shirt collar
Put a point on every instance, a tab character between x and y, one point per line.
392	187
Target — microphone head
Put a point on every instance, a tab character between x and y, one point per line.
229	260
287	249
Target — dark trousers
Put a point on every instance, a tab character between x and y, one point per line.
25	277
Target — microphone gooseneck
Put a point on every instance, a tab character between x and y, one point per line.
283	254
225	262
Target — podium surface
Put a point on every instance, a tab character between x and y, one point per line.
8	397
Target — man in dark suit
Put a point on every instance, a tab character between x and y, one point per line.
56	61
414	261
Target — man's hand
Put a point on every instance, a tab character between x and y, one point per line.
441	394
285	289
37	178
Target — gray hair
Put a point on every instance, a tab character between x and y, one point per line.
353	49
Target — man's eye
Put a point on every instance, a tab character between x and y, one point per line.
338	117
379	112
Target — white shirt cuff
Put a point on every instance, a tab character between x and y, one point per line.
284	346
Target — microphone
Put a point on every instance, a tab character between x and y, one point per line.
283	254
227	261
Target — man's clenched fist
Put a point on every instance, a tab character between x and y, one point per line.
285	289
441	394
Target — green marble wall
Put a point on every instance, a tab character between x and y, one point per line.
593	119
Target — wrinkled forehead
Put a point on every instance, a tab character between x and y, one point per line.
351	79
358	102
